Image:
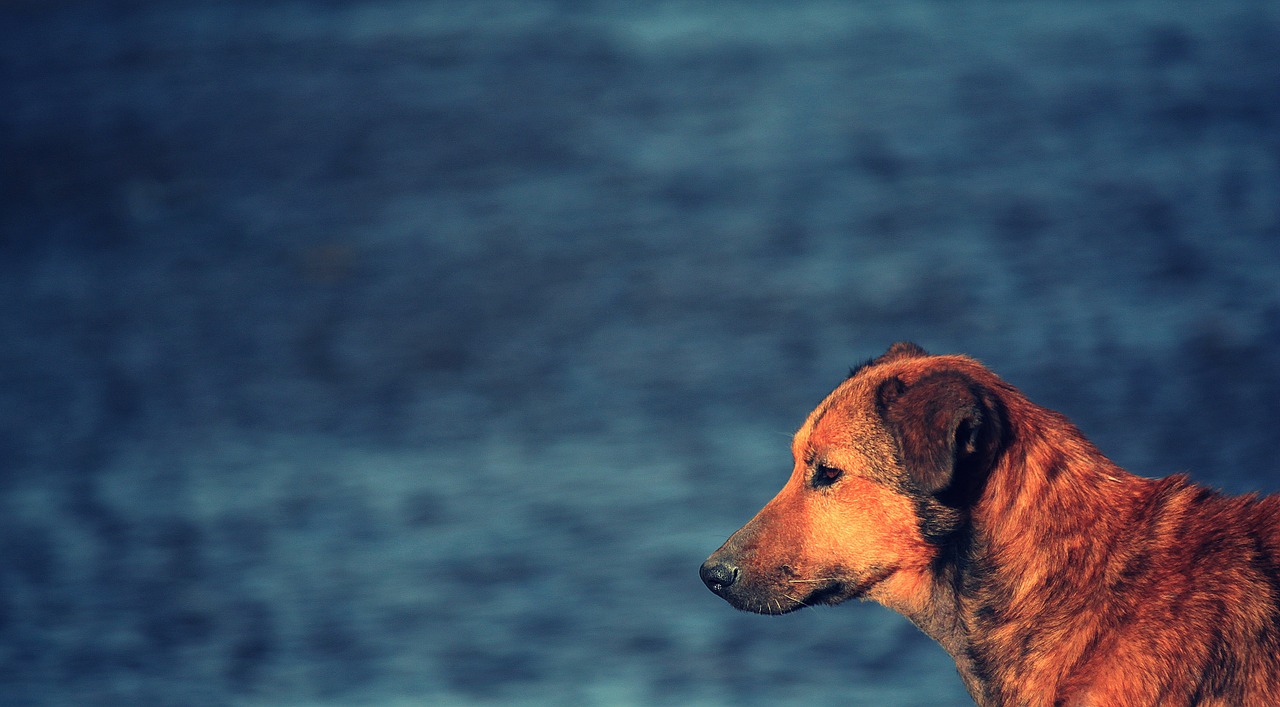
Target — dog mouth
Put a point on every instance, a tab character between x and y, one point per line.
832	593
824	592
783	589
776	603
836	591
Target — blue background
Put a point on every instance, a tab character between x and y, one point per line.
419	352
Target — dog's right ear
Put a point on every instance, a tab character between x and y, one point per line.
949	430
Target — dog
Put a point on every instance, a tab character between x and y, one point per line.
1051	576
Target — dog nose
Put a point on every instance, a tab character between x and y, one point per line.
718	576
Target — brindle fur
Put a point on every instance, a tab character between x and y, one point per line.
1051	575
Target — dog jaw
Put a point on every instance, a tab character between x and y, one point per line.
784	590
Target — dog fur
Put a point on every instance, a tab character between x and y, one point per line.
1051	575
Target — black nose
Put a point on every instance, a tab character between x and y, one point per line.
718	576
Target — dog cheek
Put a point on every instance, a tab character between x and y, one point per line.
880	529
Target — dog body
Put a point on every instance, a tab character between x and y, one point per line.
1052	576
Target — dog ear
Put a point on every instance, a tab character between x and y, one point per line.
949	431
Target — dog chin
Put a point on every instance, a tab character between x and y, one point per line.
772	606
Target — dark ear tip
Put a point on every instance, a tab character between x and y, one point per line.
903	349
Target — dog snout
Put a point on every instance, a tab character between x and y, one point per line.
718	575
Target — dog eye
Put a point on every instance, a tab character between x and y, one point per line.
824	475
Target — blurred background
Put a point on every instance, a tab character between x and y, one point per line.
419	352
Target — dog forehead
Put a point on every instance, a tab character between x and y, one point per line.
849	417
846	419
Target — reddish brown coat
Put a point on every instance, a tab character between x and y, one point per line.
1052	576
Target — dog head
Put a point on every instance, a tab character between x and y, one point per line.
885	470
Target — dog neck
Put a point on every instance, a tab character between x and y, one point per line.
991	581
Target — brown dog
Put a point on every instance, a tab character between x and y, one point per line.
1052	576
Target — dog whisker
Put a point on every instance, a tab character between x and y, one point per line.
801	603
